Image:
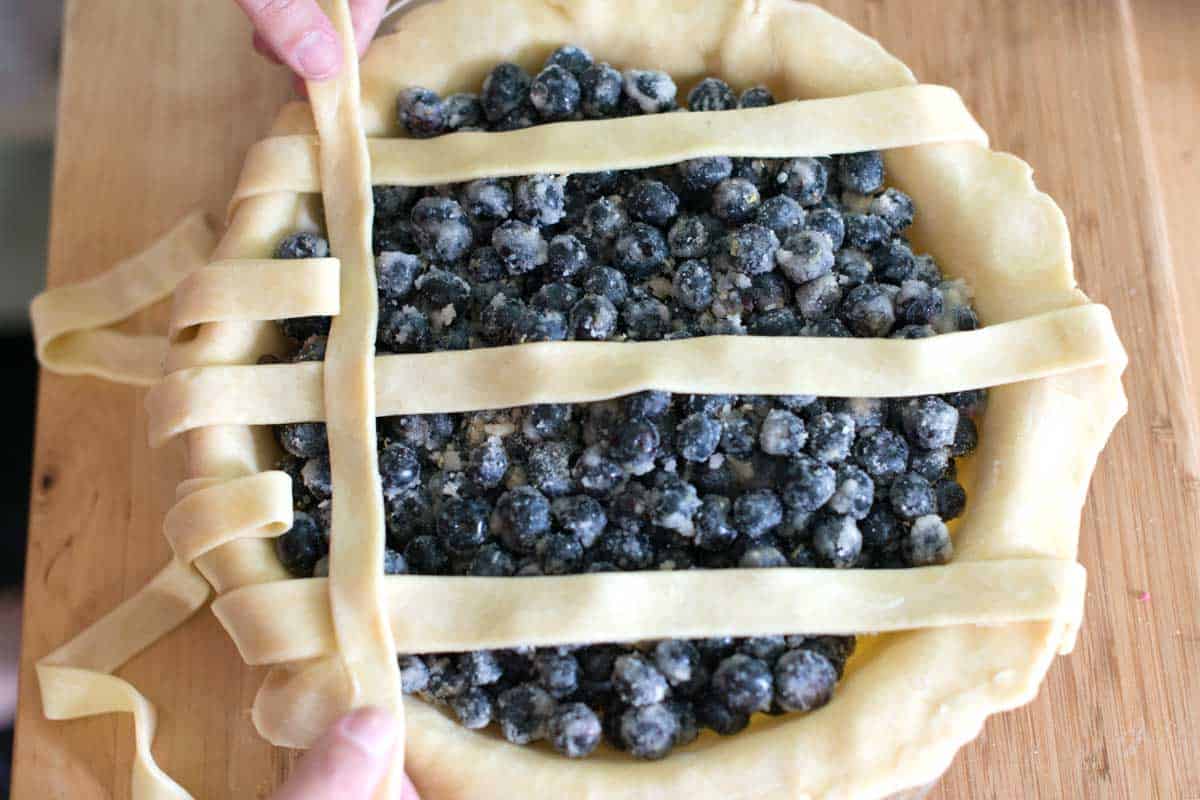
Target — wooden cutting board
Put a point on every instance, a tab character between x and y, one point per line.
160	100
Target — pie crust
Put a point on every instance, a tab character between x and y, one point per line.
957	642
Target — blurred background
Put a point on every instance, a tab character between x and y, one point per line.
29	50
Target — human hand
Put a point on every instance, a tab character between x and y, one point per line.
298	34
350	760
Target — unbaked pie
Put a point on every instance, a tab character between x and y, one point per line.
617	380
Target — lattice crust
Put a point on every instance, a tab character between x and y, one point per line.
966	639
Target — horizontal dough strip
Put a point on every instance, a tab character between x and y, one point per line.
71	323
290	620
75	680
257	289
256	506
879	120
575	372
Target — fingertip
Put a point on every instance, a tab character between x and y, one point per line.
372	729
317	55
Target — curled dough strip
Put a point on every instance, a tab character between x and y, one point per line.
75	680
71	323
256	506
285	621
1053	343
879	120
257	289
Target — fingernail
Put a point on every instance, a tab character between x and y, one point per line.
372	729
317	55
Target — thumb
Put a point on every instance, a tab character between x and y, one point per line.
298	33
350	760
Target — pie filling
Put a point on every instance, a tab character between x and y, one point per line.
792	247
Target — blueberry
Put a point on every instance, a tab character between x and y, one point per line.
880	529
566	256
303	439
854	494
803	179
524	713
830	437
403	330
574	730
768	291
969	402
736	200
637	681
491	561
486	265
697	437
690	237
546	421
951	498
895	208
462	110
714	531
395	273
678	660
555	93
894	263
488	200
928	542
301	546
777	322
399	468
764	648
868	311
861	172
520	246
540	200
738	436
572	58
804	680
397	234
597	475
757	97
426	556
930	464
317	477
640	251
606	217
966	437
408	514
805	256
762	556
414	675
758	171
783	215
392	201
675	507
558	296
837	540
926	270
810	486
303	245
650	90
462	524
562	554
867	412
702	174
819	299
711	94
852	267
521	518
912	496
593	317
652	202
715	715
593	184
782	434
650	405
635	442
751	249
549	469
743	684
864	231
929	422
480	667
442	228
600	88
421	113
441	288
504	90
488	463
828	221
646	319
757	512
473	708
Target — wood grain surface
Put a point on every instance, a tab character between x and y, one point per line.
160	99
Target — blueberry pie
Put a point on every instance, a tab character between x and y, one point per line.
644	399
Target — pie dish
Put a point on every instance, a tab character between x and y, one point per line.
958	642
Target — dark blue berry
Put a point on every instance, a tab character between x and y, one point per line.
597	475
818	300
736	200
861	172
713	714
743	684
804	680
637	681
895	208
462	523
837	540
852	267
301	546
762	556
640	251
558	296
442	228
557	674
783	215
318	477
562	554
782	434
574	730
488	200
555	93
462	110
650	405
540	200
646	319
714	531
803	179
566	257
805	256
395	273
928	542
675	506
572	58
828	221
855	492
404	330
608	283
491	561
421	113
473	708
392	201
303	439
414	675
520	246
697	437
711	94
867	311
810	486
593	317
488	463
486	265
524	713
951	498
751	249
521	518
394	562
702	174
546	421
966	437
929	422
865	231
830	437
894	263
757	97
549	468
651	91
911	496
426	556
441	288
505	89
758	512
600	88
